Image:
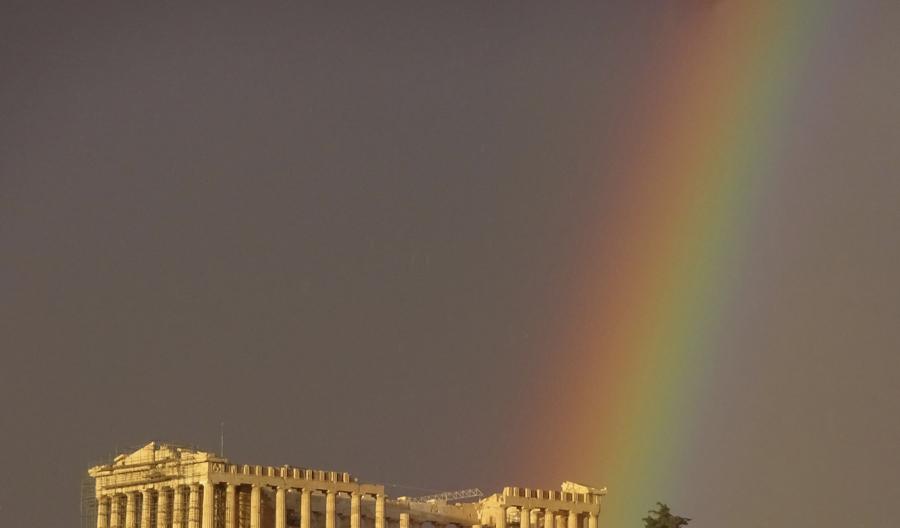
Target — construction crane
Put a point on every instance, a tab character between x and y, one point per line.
472	493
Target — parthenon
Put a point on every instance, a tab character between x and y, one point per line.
168	486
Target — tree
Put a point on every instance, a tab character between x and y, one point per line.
662	518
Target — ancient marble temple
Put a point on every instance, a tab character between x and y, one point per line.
167	486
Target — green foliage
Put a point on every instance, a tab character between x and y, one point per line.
662	518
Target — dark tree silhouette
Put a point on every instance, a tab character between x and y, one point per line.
662	518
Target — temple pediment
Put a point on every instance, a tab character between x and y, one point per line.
156	453
573	487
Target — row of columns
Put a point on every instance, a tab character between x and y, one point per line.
109	509
330	509
305	508
551	519
109	513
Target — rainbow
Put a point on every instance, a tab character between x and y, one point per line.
640	342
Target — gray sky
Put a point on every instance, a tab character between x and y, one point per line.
345	232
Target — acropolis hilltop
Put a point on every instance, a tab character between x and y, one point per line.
168	486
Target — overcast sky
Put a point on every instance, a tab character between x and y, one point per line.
342	230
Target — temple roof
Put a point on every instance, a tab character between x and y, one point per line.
574	487
155	452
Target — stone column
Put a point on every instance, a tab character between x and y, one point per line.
573	519
194	507
146	498
549	518
404	520
592	520
209	505
178	515
354	510
162	508
230	510
560	520
305	508
115	515
130	506
255	509
279	508
500	520
329	509
102	512
379	511
243	507
524	518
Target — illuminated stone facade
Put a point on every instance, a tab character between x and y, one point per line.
165	486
